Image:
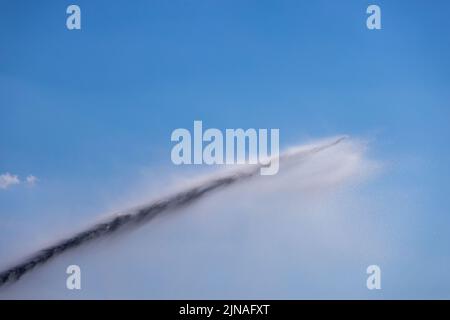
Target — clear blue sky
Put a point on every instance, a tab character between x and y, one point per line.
85	110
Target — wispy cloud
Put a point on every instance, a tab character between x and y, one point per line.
31	180
7	180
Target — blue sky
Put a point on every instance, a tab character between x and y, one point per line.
86	111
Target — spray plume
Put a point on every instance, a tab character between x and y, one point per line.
144	214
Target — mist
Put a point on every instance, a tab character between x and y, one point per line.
308	232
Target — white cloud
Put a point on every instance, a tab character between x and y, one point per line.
7	180
31	180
